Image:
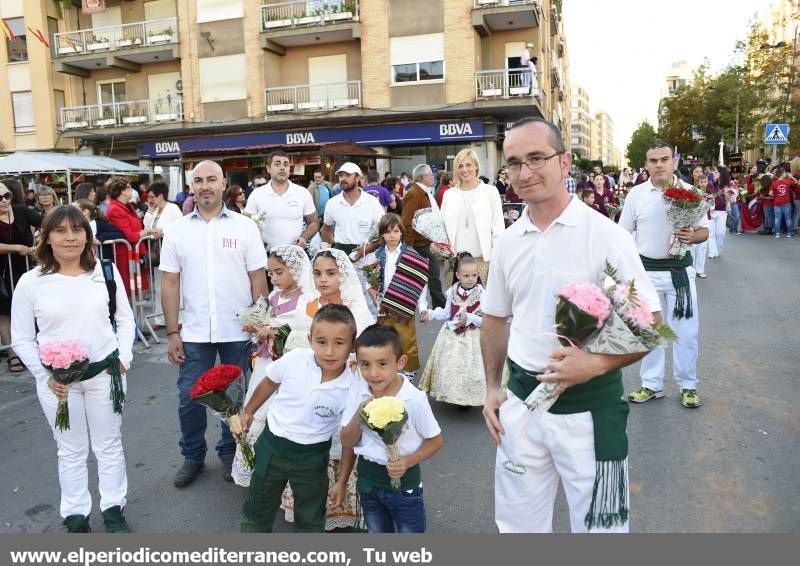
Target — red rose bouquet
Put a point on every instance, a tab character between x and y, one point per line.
211	390
685	206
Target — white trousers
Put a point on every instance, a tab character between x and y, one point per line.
537	449
716	232
699	254
684	350
91	413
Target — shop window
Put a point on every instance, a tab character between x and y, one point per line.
22	103
18	47
417	58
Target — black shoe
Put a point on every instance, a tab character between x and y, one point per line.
188	473
114	520
77	524
227	462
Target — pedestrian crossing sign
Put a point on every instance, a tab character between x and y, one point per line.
776	134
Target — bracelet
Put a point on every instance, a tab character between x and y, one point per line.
173	332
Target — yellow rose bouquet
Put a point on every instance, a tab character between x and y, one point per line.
386	416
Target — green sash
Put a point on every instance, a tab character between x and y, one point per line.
346	248
110	363
680	280
602	396
372	475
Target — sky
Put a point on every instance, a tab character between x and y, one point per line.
620	50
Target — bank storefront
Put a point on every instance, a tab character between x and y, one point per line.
395	147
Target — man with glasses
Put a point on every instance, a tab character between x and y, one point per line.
291	216
582	439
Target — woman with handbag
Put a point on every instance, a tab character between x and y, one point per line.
69	297
16	244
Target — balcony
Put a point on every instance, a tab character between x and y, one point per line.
123	114
308	22
126	46
555	21
555	71
501	15
313	98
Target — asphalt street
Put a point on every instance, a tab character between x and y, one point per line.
730	466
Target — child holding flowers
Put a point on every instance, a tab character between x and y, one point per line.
310	387
387	509
454	371
289	269
403	285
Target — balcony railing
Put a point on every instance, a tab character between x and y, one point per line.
113	38
506	83
123	114
314	98
500	3
307	13
558	77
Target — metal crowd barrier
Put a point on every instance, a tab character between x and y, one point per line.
8	277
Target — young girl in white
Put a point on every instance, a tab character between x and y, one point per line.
454	371
336	282
289	269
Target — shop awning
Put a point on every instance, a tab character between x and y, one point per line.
27	162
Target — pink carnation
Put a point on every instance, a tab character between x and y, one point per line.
62	354
589	298
640	315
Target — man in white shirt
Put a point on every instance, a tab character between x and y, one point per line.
528	62
291	216
215	260
645	215
582	440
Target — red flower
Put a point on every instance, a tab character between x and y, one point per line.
217	378
681	194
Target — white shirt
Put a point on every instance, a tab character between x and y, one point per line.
303	409
285	212
488	217
390	266
354	224
167	216
529	266
644	214
467	239
421	423
69	308
214	258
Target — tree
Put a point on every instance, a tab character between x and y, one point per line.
644	136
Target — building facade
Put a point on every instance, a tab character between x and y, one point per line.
603	139
581	127
165	83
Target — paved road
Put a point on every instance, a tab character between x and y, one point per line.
730	466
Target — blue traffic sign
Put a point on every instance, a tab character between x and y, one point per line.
776	134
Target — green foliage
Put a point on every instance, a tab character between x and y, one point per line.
644	136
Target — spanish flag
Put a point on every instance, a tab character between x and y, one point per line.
39	35
9	33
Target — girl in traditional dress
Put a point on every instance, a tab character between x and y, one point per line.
454	371
336	282
289	270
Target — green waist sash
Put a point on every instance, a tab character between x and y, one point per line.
371	474
110	363
680	280
602	396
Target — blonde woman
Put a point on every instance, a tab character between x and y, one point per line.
46	200
473	213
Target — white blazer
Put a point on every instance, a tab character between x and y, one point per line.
489	216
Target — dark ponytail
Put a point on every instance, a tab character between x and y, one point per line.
464	258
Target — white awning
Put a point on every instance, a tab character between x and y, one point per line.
27	162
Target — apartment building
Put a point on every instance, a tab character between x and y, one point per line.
390	83
581	127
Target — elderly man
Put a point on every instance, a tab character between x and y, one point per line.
418	196
290	214
582	439
215	260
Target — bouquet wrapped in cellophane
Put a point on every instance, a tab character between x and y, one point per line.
684	206
429	224
606	319
211	390
67	362
386	416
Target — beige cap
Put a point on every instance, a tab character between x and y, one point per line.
350	167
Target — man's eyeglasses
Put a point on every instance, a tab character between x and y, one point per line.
6	196
532	164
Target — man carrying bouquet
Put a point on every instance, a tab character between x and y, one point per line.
582	439
644	214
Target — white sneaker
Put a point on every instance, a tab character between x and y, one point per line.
702	275
777	235
789	235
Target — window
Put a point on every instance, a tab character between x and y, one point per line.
52	30
58	96
222	78
111	92
576	141
18	48
215	10
417	58
23	111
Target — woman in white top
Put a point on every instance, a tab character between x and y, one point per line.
473	213
67	298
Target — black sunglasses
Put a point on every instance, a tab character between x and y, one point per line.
6	196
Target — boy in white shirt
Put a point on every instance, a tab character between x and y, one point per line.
379	352
312	389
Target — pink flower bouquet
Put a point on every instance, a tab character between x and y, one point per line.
581	310
67	363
